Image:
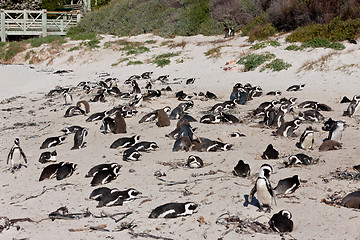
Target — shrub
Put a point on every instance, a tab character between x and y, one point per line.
293	48
74	49
162	62
13	49
261	45
214	52
277	65
37	42
322	43
93	43
262	32
252	61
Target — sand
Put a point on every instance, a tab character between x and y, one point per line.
32	116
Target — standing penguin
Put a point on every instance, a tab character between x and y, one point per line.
120	124
336	131
67	97
307	139
353	106
15	155
281	221
79	138
263	188
163	119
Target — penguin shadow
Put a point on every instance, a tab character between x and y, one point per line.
16	168
254	201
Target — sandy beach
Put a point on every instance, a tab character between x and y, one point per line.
32	116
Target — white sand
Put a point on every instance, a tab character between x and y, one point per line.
218	193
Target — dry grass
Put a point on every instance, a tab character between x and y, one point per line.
181	44
321	64
214	52
348	68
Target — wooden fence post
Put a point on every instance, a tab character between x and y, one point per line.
78	16
44	22
3	33
25	19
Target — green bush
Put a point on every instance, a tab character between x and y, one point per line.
252	61
322	43
336	30
293	48
37	42
80	33
74	49
12	50
162	62
276	65
262	32
93	43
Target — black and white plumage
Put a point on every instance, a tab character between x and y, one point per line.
65	170
296	87
281	221
228	118
181	96
190	81
336	131
131	154
287	185
328	124
210	119
263	188
46	157
52	141
70	129
273	93
353	106
299	159
182	143
173	210
74	110
117	198
312	115
67	98
98	193
15	155
194	162
263	107
79	138
96	116
270	153
288	128
146	75
105	166
145	146
237	134
50	171
125	142
307	139
105	176
242	169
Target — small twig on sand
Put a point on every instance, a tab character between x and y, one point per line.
146	235
112	216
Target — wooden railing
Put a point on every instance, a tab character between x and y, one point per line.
37	23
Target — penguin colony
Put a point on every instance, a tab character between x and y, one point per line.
281	115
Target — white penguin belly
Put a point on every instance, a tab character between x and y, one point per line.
263	194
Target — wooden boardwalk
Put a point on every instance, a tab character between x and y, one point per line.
36	23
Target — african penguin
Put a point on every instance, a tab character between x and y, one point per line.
105	166
242	169
270	153
173	210
73	110
65	170
210	119
67	97
146	75
194	162
329	145
131	154
105	176
83	105
50	171
98	193
96	116
116	197
328	125
15	155
71	129
307	139
46	157
296	87
79	138
52	141
237	134
352	200
353	106
263	188
299	159
182	143
287	185
273	93
145	146
288	128
281	221
125	142
335	132
120	124
163	119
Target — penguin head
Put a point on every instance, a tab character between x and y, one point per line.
167	109
286	214
238	85
113	165
62	138
137	138
191	207
293	99
153	145
116	170
294	160
73	166
53	153
17	141
265	170
356	98
133	193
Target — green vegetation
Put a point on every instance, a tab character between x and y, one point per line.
164	59
37	42
336	30
261	45
11	50
93	43
252	61
317	43
276	65
150	41
134	63
74	49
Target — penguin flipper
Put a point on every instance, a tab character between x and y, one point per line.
252	193
23	155
9	156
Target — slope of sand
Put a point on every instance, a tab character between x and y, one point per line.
32	117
